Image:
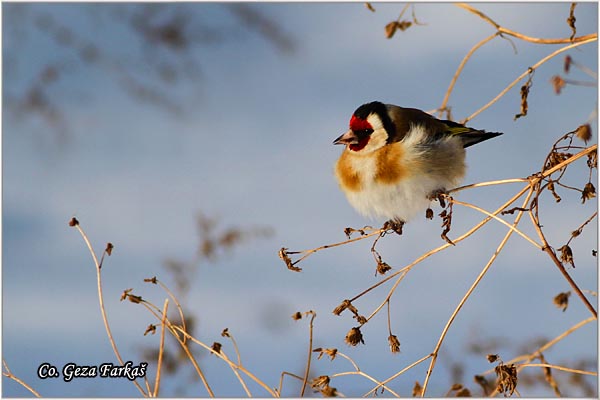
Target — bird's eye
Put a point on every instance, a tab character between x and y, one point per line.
363	132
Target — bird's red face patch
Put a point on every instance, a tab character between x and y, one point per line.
359	124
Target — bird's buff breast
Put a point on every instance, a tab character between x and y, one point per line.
388	183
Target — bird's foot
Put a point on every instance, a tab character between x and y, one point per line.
394	225
439	195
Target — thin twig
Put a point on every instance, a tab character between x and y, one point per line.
527	72
310	342
161	348
10	375
561	368
468	294
101	301
502	30
397	374
512	227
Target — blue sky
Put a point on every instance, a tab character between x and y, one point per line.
253	148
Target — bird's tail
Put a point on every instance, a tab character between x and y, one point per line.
469	136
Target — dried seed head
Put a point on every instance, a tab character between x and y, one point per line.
464	392
561	300
134	299
417	389
150	329
109	248
354	337
320	381
558	83
592	161
331	353
287	260
344	305
329	391
456	386
151	280
492	358
369	7
566	255
507	379
391	28
429	213
567	65
382	268
584	132
125	293
297	315
216	347
589	192
394	344
73	222
225	333
361	319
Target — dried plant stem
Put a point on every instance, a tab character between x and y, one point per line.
150	307
561	267
101	301
468	294
397	374
405	270
328	246
161	348
505	31
229	362
10	375
177	304
535	354
512	227
592	38
489	183
310	342
460	68
360	373
529	357
561	368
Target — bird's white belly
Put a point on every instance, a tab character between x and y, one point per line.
398	201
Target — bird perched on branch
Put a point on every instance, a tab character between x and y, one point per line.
398	159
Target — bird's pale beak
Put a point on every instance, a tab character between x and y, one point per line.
347	138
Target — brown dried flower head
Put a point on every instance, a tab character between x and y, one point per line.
354	337
216	347
561	300
331	353
344	305
567	65
464	392
225	333
361	319
297	315
320	382
73	222
329	391
558	83
507	379
584	132
382	268
589	192
492	358
417	389
109	248
394	344
566	255
150	329
151	280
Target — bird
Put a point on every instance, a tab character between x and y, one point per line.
397	160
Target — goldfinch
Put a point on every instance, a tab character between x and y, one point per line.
397	159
